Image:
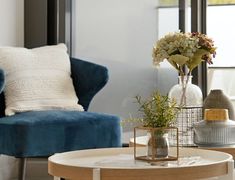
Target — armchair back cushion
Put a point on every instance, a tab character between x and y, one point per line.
88	79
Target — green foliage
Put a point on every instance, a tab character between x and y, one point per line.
157	111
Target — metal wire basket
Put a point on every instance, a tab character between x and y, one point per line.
184	122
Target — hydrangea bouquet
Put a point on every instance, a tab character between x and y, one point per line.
184	49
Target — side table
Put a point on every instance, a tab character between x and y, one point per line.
119	164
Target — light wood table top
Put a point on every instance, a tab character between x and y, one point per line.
119	164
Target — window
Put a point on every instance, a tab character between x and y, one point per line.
221	29
210	2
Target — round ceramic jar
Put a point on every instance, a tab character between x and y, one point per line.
218	100
216	130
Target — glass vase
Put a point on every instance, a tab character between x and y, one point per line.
158	146
185	93
189	97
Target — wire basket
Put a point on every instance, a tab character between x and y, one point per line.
184	122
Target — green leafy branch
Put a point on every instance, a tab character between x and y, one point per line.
157	111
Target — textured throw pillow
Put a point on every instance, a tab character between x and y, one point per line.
37	79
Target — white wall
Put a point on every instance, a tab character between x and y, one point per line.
120	35
11	34
11	19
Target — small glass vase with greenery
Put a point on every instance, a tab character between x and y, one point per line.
158	114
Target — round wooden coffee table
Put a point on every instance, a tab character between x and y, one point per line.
119	164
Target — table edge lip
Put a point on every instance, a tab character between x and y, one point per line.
50	159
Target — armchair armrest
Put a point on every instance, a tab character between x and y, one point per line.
88	79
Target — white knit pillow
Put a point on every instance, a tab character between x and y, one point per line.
37	79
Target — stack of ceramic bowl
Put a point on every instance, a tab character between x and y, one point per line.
216	130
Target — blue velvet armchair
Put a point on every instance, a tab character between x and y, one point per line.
43	133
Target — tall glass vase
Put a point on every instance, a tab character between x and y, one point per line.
185	93
189	97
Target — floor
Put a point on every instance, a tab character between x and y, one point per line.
36	169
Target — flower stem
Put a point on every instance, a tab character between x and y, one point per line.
184	87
